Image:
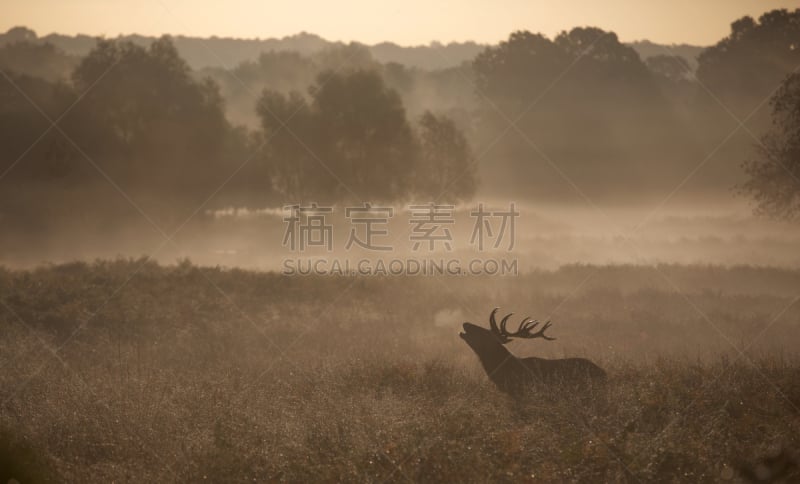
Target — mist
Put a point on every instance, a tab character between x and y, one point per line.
557	258
582	123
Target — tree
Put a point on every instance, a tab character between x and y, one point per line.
281	71
38	60
446	171
21	124
352	141
516	71
774	176
19	34
136	113
148	122
38	165
746	66
584	108
288	127
364	135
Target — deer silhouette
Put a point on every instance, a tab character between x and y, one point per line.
514	375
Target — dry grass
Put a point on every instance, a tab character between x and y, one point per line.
191	374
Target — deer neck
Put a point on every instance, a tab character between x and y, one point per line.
494	358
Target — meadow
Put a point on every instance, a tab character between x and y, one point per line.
125	370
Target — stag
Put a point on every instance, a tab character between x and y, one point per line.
514	375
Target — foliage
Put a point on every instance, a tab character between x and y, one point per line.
148	121
132	128
37	60
447	171
551	116
774	177
745	67
580	109
352	142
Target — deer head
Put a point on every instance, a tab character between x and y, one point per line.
489	342
475	335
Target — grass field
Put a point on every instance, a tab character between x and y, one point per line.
128	371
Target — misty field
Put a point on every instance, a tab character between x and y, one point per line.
129	371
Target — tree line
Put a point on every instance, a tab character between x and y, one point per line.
531	117
137	117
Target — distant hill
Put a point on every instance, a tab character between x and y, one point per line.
228	52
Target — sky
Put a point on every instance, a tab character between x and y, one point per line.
405	22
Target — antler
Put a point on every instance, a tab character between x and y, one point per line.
523	331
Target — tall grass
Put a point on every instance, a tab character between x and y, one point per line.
185	373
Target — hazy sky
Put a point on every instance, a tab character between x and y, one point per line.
401	21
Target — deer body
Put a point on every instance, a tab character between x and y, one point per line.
514	375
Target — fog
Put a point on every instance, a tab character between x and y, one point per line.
275	260
113	146
547	237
